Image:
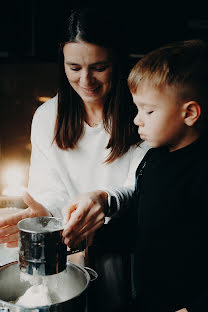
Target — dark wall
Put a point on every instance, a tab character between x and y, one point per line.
155	23
32	28
29	37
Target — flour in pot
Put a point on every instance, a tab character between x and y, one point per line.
38	294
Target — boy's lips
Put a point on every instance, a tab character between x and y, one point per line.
142	136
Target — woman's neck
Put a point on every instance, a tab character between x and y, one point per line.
94	114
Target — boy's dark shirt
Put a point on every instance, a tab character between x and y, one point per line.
171	199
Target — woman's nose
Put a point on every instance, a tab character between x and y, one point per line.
86	78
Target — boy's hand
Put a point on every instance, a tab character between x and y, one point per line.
84	216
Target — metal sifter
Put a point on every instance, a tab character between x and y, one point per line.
41	247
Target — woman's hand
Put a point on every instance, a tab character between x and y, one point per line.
8	225
83	216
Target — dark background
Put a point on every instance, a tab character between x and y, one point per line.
29	37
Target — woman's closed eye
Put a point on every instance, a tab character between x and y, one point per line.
149	112
99	69
75	68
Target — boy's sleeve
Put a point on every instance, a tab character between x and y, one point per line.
120	197
122	200
119	201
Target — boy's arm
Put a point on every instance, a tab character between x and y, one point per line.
87	213
119	201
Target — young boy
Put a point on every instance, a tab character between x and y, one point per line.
170	201
170	89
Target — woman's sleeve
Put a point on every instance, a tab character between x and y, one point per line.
44	183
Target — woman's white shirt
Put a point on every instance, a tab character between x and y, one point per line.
57	176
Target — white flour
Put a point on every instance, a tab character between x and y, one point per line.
34	279
38	294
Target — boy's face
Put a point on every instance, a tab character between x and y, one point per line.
160	117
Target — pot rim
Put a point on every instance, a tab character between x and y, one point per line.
6	303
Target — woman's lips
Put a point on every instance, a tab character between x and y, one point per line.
90	90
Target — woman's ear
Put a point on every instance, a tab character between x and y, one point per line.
192	112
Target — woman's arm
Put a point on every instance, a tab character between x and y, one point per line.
8	225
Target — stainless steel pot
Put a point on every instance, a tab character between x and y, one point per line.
69	288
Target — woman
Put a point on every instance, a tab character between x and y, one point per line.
83	136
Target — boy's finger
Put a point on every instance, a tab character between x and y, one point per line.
67	211
73	223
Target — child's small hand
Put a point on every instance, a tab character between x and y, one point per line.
182	310
83	216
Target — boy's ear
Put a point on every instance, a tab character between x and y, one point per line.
192	111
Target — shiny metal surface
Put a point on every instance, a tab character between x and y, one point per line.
41	247
70	286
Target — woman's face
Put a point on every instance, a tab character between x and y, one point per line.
88	68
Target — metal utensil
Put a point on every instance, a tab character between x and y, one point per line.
41	247
70	288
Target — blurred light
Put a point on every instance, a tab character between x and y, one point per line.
43	98
13	175
13	179
14	190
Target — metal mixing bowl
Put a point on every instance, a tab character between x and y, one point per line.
70	287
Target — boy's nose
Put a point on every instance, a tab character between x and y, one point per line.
138	121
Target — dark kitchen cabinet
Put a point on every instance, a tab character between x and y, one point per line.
32	29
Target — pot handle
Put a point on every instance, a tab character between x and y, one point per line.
93	275
79	248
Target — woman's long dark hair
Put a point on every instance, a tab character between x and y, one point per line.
97	27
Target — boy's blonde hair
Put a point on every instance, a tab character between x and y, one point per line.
182	65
